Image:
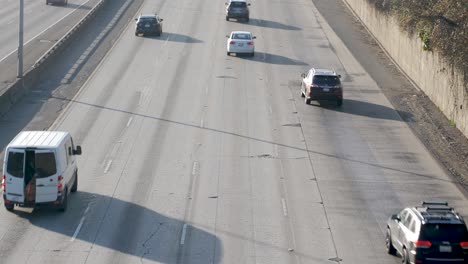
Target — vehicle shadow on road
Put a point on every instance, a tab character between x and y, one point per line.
279	144
271	24
362	108
174	37
127	228
273	59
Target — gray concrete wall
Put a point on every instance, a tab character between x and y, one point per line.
441	82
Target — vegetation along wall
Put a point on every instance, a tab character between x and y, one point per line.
428	39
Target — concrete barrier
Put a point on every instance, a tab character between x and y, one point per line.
20	87
438	79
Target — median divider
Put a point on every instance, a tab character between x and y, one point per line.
20	87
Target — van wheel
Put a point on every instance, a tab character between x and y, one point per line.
404	257
64	204
306	100
388	243
75	184
9	207
227	18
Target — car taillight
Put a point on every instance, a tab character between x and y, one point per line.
250	43
232	42
59	184
3	182
464	244
422	244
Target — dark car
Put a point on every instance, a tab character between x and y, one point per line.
430	233
148	25
321	84
61	2
238	9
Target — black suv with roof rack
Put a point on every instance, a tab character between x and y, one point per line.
430	233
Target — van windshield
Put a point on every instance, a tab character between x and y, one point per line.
15	164
45	165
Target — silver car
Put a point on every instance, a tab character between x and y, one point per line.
240	42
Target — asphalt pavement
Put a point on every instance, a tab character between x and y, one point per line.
192	156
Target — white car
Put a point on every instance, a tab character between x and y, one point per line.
240	42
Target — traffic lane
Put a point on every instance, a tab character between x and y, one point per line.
38	46
367	162
109	244
38	109
37	18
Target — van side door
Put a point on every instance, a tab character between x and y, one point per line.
46	174
14	175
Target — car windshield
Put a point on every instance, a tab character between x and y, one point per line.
444	232
326	80
238	4
241	36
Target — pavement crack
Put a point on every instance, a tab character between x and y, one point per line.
147	240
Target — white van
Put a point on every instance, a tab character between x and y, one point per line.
40	169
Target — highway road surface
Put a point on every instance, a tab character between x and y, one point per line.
38	17
192	156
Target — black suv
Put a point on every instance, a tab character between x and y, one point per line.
238	9
148	24
431	233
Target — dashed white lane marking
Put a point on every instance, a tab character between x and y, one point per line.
184	232
285	209
195	168
106	170
201	123
80	225
129	121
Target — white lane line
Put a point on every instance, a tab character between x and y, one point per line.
271	110
285	209
184	232
80	225
78	228
195	168
106	170
201	123
129	121
24	44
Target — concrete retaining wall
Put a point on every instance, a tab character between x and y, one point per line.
439	80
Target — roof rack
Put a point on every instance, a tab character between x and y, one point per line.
425	203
